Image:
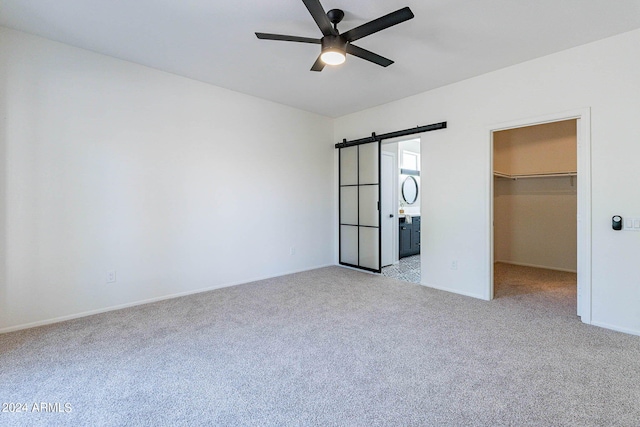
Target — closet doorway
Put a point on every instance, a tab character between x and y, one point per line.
538	205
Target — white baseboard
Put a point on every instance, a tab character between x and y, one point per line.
524	264
616	328
455	291
146	301
357	269
440	288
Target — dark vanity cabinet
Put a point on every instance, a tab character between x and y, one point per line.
409	237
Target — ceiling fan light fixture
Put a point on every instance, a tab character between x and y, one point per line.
334	50
333	56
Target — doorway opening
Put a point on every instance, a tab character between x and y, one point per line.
535	210
540	199
359	198
400	210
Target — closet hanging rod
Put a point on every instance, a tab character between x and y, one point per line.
405	132
535	175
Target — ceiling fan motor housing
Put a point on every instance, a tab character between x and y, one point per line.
333	42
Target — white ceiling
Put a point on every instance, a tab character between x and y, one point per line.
213	41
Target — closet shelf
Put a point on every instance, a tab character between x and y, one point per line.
534	175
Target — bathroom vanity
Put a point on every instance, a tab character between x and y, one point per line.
409	236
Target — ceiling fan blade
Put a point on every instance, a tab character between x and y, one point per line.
320	16
318	65
369	56
267	36
381	23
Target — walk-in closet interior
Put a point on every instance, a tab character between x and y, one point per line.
535	208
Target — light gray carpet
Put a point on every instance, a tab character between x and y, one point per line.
552	286
329	347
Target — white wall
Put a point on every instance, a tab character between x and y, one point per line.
175	184
535	222
456	163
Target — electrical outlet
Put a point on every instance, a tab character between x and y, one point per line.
292	250
111	276
454	265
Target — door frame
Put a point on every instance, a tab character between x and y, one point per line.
394	202
583	117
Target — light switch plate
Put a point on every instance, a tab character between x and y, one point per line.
631	223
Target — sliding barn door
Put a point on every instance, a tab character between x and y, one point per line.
359	182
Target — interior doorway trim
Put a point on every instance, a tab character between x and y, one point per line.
389	177
583	118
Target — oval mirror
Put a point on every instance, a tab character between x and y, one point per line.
410	190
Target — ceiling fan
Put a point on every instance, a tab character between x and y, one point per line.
335	46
